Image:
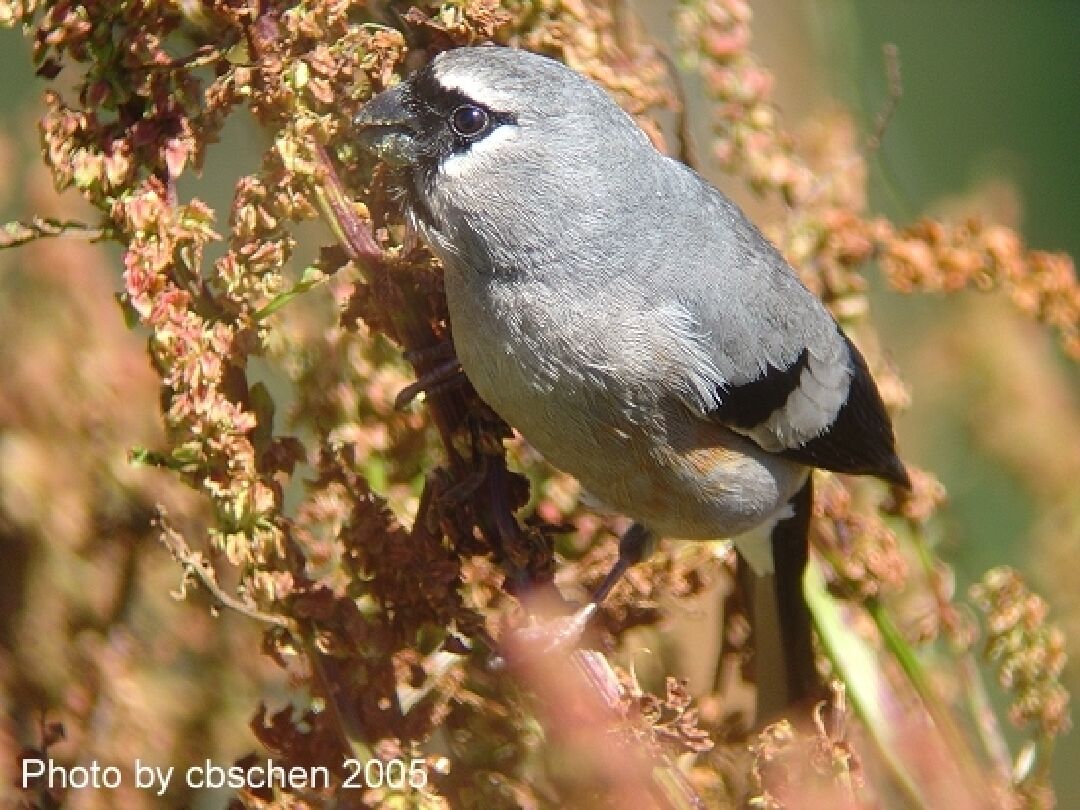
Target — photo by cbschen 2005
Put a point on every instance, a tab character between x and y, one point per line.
632	323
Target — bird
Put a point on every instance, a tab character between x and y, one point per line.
632	324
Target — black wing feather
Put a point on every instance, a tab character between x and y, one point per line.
860	439
750	404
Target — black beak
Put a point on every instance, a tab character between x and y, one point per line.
387	127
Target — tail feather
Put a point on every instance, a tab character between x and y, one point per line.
782	641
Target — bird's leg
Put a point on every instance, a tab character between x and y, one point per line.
636	544
445	373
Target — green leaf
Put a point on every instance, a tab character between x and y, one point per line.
312	276
145	457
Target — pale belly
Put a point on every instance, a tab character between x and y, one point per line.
703	488
642	455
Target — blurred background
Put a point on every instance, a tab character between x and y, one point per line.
989	123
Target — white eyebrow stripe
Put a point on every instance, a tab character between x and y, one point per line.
468	84
461	163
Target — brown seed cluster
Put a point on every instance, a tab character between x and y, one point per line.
1028	652
931	256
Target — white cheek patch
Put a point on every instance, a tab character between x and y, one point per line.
461	164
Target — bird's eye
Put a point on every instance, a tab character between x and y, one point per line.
468	120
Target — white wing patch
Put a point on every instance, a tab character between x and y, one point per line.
811	407
808	411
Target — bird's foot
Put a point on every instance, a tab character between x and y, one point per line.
543	637
445	374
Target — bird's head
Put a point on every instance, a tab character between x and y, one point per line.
500	148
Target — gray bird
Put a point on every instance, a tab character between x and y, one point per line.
630	321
